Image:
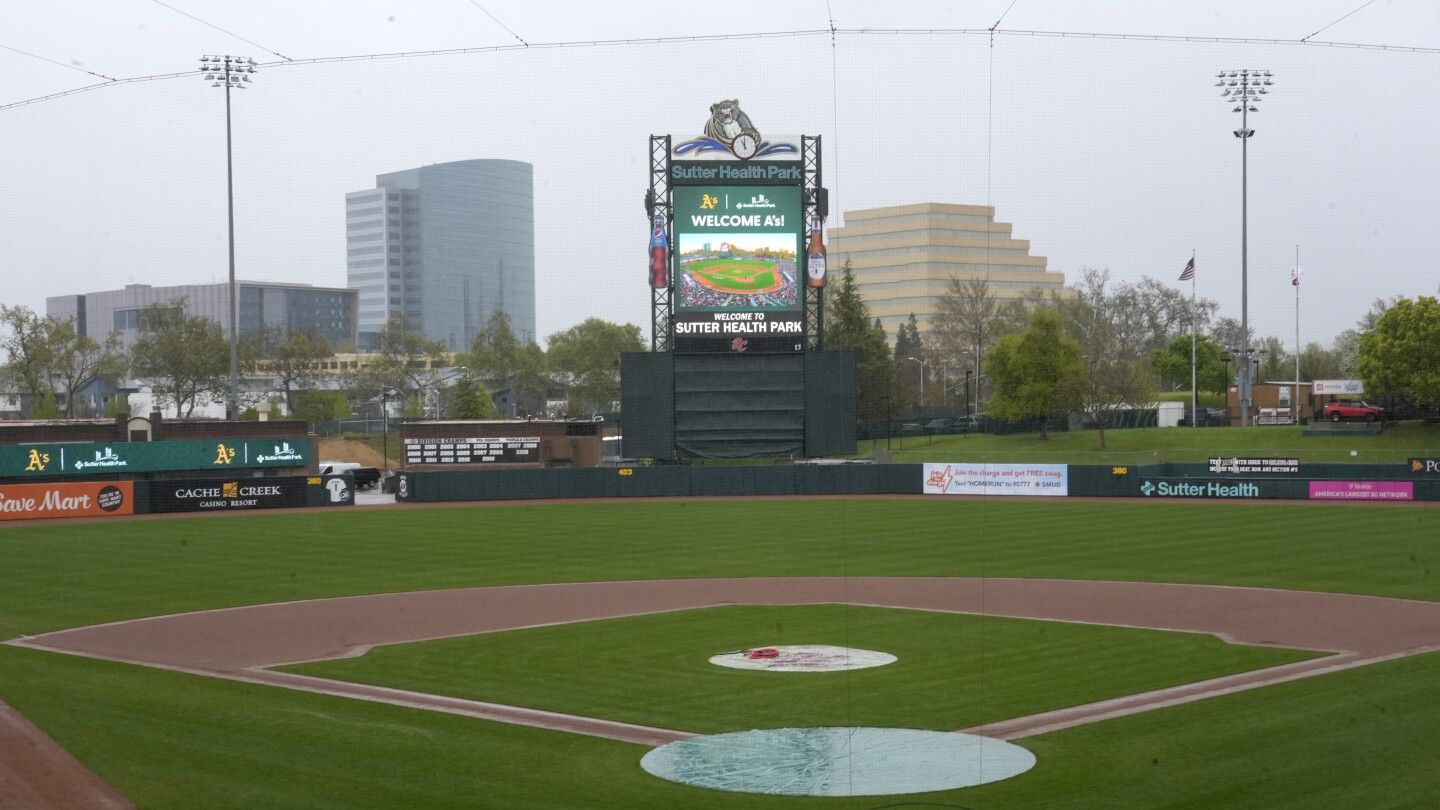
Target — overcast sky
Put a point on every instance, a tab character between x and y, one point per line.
1103	152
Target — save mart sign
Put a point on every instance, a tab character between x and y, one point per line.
119	458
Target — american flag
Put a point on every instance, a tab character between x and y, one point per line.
1189	272
1295	276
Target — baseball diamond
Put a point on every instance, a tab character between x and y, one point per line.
740	276
523	638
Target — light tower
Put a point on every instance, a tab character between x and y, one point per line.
1245	89
230	71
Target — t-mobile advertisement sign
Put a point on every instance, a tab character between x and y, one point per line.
1362	491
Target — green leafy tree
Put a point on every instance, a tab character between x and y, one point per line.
1276	362
848	325
185	360
1172	364
1320	363
586	359
469	398
29	352
499	359
293	358
907	345
1036	373
322	406
1401	353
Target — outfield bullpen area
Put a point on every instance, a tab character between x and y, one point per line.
1345	719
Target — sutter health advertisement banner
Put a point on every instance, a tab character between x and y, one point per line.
29	501
997	479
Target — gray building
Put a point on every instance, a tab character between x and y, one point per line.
446	245
329	311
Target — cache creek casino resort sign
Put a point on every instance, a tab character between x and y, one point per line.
737	249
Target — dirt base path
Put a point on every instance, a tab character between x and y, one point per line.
35	772
240	643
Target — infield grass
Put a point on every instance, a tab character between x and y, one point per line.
170	740
953	671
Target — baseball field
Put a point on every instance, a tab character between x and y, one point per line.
1027	620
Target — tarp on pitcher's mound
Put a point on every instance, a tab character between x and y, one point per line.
802	658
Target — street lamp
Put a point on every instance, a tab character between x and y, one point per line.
1245	89
385	394
922	380
230	71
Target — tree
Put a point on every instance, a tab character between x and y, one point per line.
321	406
186	360
1276	363
293	357
1038	372
499	360
1401	353
908	345
405	361
1172	364
968	320
29	352
470	398
586	357
1320	363
78	360
848	325
1228	334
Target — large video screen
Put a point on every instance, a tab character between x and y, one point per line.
738	268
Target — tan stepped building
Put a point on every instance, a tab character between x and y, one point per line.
904	257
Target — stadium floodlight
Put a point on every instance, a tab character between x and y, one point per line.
1248	86
226	71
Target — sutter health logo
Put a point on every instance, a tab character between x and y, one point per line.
282	452
1209	489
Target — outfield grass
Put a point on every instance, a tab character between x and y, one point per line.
1154	445
954	671
176	741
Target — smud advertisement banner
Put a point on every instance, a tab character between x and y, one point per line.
91	499
737	269
1050	480
96	458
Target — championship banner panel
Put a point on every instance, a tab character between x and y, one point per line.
472	450
997	479
737	269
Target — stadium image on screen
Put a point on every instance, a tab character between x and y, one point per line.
723	271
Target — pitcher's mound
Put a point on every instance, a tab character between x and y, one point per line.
802	658
837	761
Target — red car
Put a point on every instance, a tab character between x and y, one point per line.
1358	409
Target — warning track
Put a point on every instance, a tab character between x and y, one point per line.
241	643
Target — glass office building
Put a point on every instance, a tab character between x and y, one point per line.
446	245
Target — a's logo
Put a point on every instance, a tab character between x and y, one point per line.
223	454
729	130
1147	489
230	489
739	344
38	461
708	202
107	458
281	452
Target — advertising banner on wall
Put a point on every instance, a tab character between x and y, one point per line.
96	458
243	494
58	500
1201	488
996	479
1337	387
1245	466
1362	490
1425	466
738	269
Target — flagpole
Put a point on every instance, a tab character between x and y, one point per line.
1297	334
1194	391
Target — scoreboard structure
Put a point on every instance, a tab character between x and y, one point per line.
737	274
